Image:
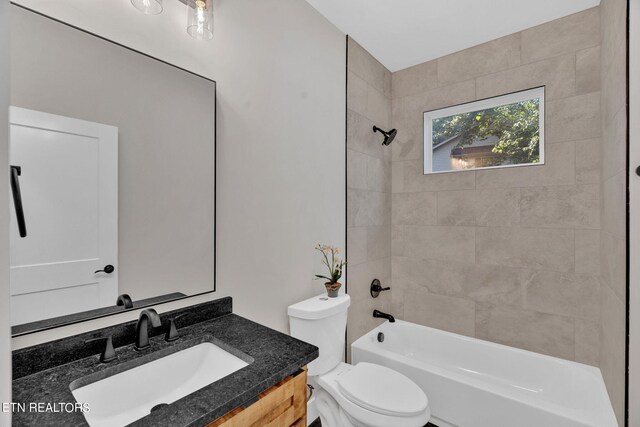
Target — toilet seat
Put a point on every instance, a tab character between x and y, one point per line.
382	390
380	411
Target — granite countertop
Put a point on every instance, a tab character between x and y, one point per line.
275	356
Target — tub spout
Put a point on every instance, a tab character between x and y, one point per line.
378	313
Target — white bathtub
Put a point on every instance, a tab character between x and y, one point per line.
475	383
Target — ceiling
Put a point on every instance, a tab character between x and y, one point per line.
402	33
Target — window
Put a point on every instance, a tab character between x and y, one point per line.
504	131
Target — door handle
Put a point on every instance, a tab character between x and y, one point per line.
107	269
16	171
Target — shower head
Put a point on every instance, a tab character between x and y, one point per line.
388	136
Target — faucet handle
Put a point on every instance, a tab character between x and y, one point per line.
108	354
172	332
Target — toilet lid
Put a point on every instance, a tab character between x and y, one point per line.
382	390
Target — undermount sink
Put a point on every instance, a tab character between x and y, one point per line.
128	396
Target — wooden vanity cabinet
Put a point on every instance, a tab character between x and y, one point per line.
284	404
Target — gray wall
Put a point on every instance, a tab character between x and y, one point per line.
613	233
5	333
280	68
165	120
282	156
369	188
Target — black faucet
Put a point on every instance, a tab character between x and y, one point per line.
378	313
125	301
142	333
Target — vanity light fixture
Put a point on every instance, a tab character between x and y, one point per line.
148	7
200	19
199	15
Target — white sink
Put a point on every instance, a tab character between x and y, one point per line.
128	396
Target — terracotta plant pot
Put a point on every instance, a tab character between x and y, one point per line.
332	289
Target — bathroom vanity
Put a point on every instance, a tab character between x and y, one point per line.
266	384
284	404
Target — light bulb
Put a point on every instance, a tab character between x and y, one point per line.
200	6
200	19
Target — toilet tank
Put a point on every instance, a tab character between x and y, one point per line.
321	321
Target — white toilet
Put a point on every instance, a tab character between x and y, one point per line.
346	395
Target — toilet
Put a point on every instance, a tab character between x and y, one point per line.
346	395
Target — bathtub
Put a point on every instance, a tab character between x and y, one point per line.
475	383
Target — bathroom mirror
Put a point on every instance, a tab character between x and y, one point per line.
498	132
112	158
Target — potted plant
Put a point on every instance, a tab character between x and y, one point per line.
335	266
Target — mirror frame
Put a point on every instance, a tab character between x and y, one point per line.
73	318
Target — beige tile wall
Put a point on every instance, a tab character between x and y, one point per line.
613	233
508	255
531	257
368	188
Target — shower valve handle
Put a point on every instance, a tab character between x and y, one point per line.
376	288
